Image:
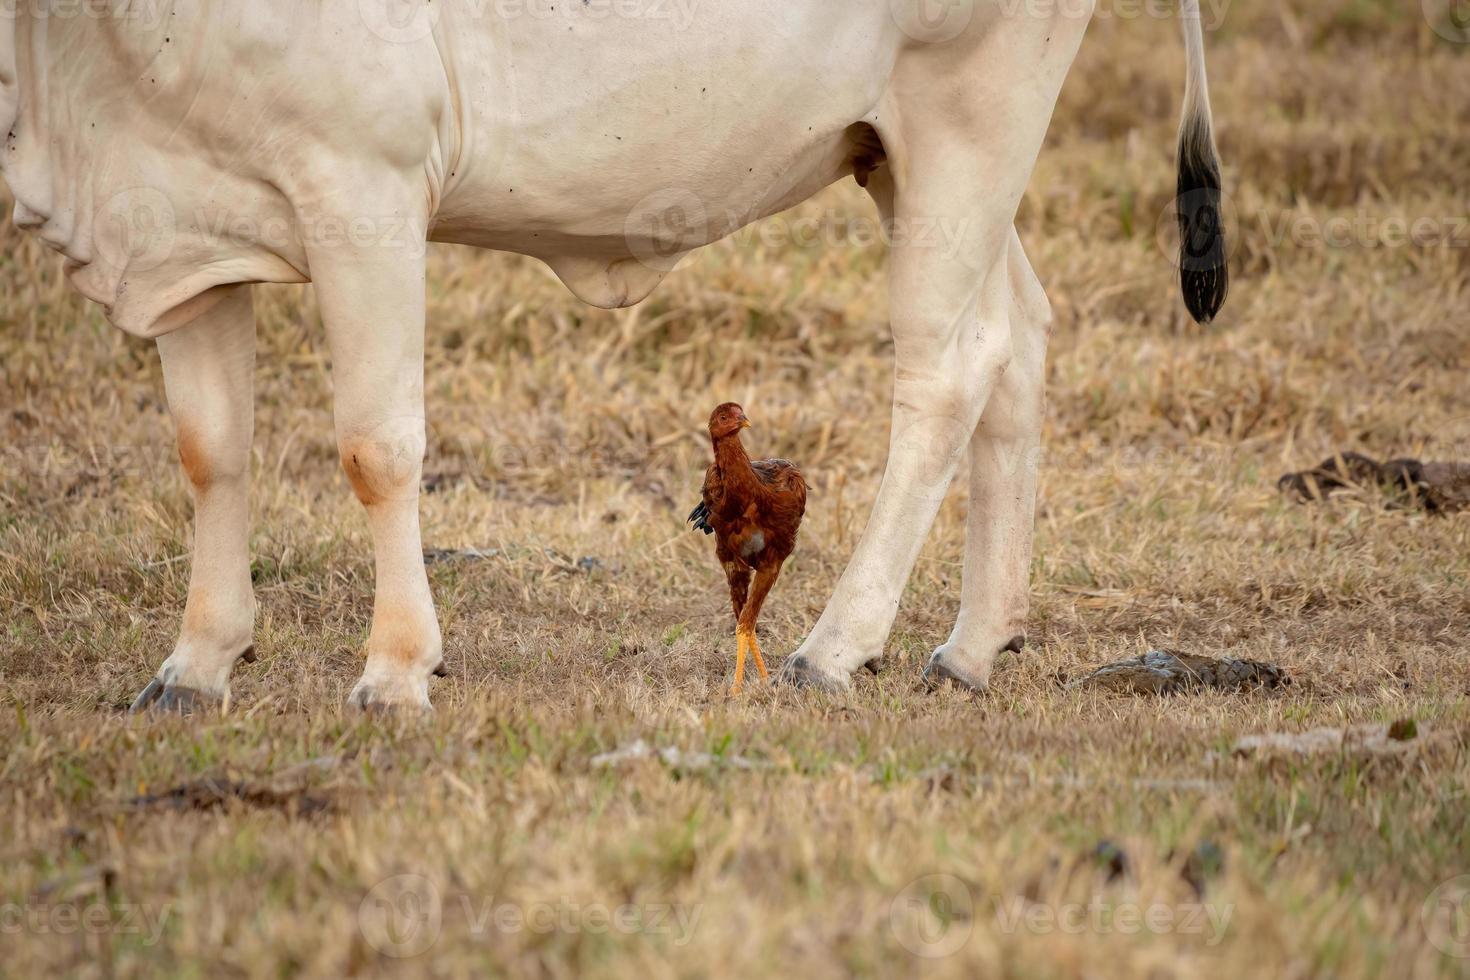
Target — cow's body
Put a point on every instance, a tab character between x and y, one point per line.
567	136
176	151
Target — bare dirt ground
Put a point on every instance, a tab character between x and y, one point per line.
891	829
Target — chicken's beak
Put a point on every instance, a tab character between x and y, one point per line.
745	423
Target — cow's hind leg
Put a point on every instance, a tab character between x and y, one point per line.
952	343
208	368
1004	459
961	147
372	303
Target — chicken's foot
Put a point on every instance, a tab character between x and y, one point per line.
746	643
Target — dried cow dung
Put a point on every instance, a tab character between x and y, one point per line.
1437	487
1172	672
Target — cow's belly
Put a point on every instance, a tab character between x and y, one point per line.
610	145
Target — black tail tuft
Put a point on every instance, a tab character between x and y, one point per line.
699	517
1204	275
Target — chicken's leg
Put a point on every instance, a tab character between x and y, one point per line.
760	662
735	688
745	641
765	577
738	575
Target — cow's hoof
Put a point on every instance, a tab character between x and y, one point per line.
174	699
937	672
384	696
184	684
948	664
798	671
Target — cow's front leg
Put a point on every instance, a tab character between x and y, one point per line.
1004	460
372	304
208	368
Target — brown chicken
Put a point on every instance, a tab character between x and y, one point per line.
753	508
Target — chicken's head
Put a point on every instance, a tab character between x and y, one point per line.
727	420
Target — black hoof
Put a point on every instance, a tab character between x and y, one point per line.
798	672
166	699
369	700
364	698
937	672
377	709
148	696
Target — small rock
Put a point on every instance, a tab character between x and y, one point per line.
1112	859
1206	861
1362	740
673	757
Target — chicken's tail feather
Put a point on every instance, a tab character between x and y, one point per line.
699	517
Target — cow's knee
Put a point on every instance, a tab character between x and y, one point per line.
212	450
383	463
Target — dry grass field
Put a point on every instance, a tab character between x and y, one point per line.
891	829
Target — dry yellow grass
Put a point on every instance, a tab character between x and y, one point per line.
559	427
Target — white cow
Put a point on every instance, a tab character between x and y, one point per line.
177	151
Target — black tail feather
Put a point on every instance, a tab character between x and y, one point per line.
699	517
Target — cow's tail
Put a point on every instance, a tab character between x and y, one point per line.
1203	275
